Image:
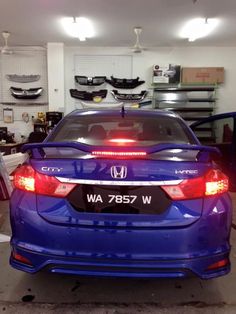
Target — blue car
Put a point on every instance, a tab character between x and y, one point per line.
125	193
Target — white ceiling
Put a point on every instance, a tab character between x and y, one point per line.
36	22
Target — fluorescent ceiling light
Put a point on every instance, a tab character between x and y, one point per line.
79	27
198	28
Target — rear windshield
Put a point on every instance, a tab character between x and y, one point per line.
138	131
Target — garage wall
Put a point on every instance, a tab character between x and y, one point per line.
24	61
142	67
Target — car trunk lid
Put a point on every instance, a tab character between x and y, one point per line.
121	192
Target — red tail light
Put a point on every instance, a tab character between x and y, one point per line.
27	179
24	178
213	183
187	189
216	182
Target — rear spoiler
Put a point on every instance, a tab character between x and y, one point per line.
37	148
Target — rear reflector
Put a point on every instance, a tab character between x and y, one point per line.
213	183
223	263
118	154
27	179
21	259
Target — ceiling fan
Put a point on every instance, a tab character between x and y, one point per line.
6	49
137	48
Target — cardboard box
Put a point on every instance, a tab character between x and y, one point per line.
212	75
169	74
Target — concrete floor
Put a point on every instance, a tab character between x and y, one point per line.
44	293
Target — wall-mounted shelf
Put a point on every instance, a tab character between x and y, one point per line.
24	103
192	103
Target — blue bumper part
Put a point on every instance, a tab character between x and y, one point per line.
125	252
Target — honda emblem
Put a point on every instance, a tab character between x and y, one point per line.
119	172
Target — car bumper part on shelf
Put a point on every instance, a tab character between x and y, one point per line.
30	93
129	97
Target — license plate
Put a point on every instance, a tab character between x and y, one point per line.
119	199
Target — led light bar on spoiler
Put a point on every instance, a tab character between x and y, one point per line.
118	151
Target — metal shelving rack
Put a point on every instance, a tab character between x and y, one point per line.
192	103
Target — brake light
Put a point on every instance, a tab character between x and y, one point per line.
213	183
118	154
121	141
27	179
24	178
216	182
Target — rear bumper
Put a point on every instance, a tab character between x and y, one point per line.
122	268
124	253
110	250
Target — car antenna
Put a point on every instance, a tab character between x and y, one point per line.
123	111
